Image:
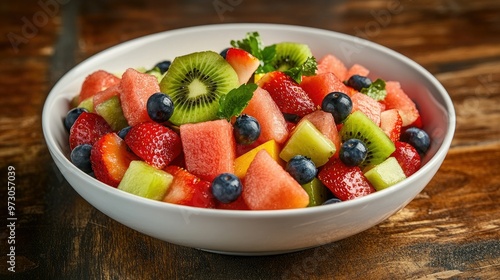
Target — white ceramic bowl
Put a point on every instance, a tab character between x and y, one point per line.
252	232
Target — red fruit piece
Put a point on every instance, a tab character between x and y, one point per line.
357	69
331	64
271	120
268	186
396	98
110	159
243	63
209	148
135	89
187	189
407	157
287	94
344	182
318	86
369	106
87	129
391	123
154	143
96	82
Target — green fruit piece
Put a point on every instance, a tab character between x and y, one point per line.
195	82
144	180
111	111
289	55
88	104
308	141
317	192
385	174
379	145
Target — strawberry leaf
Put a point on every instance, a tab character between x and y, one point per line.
376	90
233	103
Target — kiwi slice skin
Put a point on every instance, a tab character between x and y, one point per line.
289	55
195	82
379	145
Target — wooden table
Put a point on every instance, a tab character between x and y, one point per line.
450	231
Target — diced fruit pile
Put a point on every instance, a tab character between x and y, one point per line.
252	127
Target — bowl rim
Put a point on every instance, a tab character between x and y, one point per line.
436	159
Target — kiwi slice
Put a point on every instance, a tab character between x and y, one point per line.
379	145
289	55
195	82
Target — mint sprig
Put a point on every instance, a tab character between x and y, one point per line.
376	90
308	68
235	101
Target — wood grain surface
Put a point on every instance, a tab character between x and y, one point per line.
450	231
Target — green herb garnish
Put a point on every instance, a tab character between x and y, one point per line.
307	69
376	90
252	43
233	103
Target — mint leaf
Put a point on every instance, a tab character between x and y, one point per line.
308	68
252	43
376	90
233	103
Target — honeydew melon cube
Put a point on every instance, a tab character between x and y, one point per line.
308	141
385	174
145	180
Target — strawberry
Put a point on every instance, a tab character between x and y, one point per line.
391	123
110	159
87	129
287	94
188	189
407	156
154	143
243	63
344	182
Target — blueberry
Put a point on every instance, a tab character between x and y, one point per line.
302	169
353	152
226	187
332	201
338	104
123	132
246	129
418	138
80	157
160	107
163	66
359	82
71	117
224	52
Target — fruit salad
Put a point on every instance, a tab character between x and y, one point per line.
250	127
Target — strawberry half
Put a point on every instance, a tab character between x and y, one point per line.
87	129
154	143
287	94
407	157
188	189
243	63
344	182
110	159
391	123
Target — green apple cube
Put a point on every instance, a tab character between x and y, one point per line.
111	111
308	141
385	174
144	180
317	192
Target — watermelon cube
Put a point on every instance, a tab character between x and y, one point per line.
396	98
209	148
318	86
268	186
331	64
96	82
